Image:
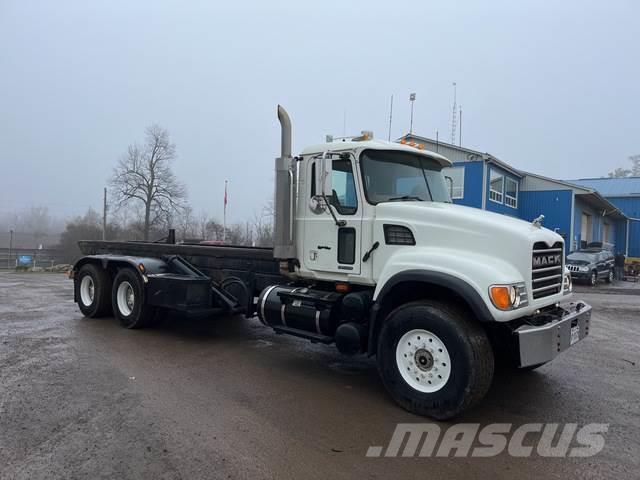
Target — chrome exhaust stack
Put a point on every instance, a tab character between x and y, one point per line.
284	247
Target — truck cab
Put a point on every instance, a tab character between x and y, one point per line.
368	211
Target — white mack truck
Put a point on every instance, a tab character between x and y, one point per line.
370	255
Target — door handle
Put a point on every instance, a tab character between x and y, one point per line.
324	247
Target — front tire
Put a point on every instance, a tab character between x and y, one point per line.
434	360
93	291
609	278
127	298
593	280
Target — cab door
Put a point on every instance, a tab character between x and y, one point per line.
327	246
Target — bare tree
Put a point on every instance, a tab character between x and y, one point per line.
634	171
144	177
263	226
37	221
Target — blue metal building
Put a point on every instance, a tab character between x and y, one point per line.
580	214
624	193
577	212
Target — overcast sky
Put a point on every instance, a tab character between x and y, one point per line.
550	87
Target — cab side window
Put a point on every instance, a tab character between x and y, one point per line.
343	196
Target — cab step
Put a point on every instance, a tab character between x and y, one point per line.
314	337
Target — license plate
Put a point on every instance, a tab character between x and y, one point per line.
575	334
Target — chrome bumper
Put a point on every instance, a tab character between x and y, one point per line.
540	344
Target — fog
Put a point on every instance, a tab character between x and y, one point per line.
549	87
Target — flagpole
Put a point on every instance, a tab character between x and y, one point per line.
224	218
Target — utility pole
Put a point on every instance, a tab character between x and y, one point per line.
224	218
390	117
437	141
460	139
412	99
104	215
10	248
454	112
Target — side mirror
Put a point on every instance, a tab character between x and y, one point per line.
323	176
450	182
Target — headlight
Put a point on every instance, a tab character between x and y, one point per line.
567	285
584	269
508	297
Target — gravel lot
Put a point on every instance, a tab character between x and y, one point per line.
227	398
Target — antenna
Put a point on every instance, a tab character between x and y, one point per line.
390	117
412	99
454	119
344	122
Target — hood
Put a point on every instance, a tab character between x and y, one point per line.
470	231
459	219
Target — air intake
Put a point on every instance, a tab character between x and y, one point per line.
398	235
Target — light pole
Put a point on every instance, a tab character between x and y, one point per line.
412	98
10	248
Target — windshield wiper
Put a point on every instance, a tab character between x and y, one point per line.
405	197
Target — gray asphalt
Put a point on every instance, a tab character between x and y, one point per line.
227	398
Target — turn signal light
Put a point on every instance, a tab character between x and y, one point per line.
500	297
342	287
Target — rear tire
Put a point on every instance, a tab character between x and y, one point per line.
127	298
452	365
93	291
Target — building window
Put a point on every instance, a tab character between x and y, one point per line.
496	186
455	181
511	192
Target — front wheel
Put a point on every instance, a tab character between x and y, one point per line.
609	278
434	360
593	281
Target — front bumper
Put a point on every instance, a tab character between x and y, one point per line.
547	334
581	275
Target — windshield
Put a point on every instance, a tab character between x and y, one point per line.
396	176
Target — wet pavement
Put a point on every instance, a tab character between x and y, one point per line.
227	398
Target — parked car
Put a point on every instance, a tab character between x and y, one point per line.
591	264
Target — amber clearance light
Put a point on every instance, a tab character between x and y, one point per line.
500	296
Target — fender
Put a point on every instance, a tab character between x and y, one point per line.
151	265
169	282
462	288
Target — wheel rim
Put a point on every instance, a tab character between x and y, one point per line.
594	279
610	276
87	290
126	298
423	360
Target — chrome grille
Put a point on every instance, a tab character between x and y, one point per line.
573	268
546	269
